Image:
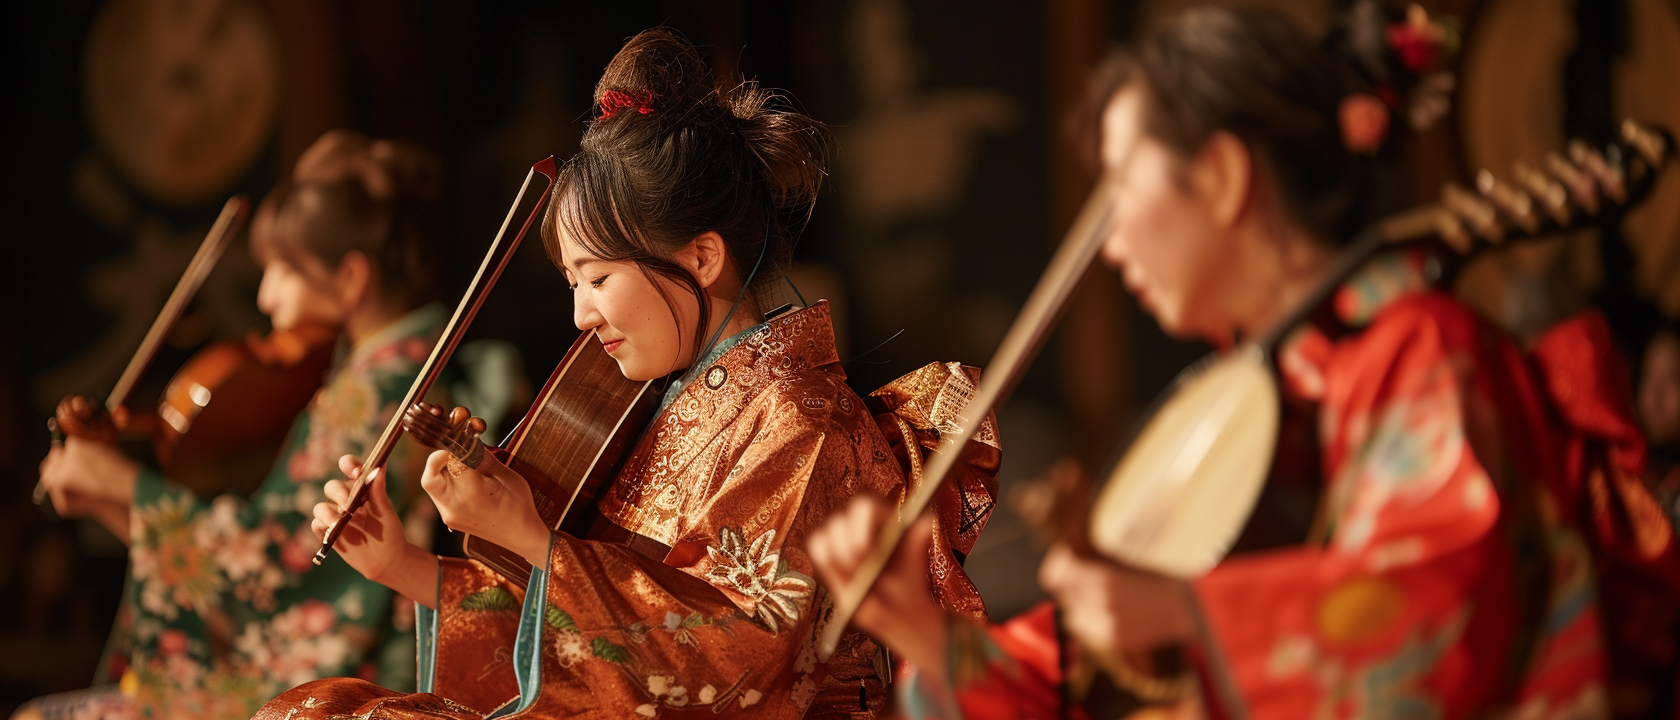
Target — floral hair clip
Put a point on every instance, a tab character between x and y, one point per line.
1423	43
612	101
1426	47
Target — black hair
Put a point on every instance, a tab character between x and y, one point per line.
671	155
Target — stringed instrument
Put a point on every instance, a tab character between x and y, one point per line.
569	446
206	435
1187	482
477	292
202	433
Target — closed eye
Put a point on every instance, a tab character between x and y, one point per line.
597	281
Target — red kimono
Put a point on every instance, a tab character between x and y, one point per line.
1483	544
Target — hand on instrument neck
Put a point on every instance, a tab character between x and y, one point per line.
492	502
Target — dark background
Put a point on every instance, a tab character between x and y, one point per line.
944	247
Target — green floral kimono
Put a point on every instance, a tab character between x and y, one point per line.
224	608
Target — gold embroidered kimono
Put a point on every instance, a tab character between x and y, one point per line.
710	609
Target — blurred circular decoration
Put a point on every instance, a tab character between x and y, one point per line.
182	94
1512	108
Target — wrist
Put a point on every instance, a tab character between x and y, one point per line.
414	575
122	475
535	543
925	642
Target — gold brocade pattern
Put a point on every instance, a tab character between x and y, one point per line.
732	476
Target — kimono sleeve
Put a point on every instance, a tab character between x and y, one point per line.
1409	587
466	645
727	623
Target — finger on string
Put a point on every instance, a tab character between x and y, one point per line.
435	479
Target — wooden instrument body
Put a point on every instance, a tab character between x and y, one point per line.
226	413
571	444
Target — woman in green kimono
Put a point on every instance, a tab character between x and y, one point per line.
224	608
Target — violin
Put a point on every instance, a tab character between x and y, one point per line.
224	415
1187	481
569	446
231	448
477	292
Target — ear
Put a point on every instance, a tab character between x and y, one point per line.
353	280
706	256
1223	174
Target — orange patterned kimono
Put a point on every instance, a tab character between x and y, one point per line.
710	609
1483	546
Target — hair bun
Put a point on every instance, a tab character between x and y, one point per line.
660	75
385	169
660	70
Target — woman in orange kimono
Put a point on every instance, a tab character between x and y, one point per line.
693	597
1456	530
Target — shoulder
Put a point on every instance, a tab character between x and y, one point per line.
1426	344
817	398
1431	319
1416	331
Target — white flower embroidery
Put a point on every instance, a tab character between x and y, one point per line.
571	648
756	571
751	698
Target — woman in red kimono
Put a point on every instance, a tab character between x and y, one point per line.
694	598
1470	538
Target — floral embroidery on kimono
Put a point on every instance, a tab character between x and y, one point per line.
224	608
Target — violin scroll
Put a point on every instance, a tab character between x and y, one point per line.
458	431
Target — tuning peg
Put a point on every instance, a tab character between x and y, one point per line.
1516	204
1550	193
1650	143
1580	186
1609	178
1479	216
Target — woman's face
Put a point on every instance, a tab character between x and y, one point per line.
291	296
1163	238
624	309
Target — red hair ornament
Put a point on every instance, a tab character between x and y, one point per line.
613	101
1364	121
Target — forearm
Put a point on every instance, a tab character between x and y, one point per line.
414	574
925	646
113	516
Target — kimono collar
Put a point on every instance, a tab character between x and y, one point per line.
424	320
1386	278
1303	359
793	341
